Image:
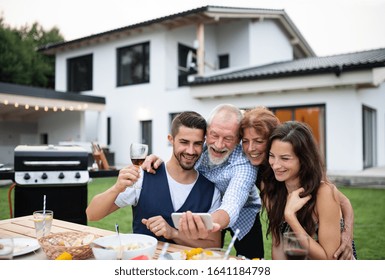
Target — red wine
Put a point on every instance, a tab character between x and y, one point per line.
296	254
137	161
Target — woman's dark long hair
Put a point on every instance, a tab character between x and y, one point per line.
311	173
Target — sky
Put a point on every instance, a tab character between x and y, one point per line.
329	26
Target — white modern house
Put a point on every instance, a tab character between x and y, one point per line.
194	60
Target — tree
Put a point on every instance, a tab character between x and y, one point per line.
20	62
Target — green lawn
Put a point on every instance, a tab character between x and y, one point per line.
368	204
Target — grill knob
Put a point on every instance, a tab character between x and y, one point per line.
44	176
77	175
61	175
27	176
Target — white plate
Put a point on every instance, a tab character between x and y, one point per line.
24	245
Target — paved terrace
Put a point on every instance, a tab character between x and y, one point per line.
373	177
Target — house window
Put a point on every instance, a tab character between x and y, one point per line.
133	64
171	118
314	116
146	137
44	138
187	63
369	136
223	61
108	130
79	73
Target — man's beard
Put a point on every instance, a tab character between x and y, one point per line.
216	160
183	165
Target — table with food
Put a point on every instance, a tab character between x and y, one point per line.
72	241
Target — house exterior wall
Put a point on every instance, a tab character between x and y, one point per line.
59	126
233	38
12	134
63	126
212	49
268	43
245	42
164	55
375	99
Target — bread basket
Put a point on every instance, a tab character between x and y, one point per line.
74	243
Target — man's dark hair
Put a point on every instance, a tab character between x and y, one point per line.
188	119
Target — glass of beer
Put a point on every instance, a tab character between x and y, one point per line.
138	153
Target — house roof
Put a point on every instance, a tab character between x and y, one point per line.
28	103
205	15
312	65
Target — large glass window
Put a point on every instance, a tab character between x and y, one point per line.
313	115
79	73
187	63
133	64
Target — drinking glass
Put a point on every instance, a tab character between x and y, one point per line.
138	153
43	222
6	248
296	245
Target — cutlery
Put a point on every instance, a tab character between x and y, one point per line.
120	251
164	255
231	244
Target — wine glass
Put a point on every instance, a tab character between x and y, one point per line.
138	153
296	245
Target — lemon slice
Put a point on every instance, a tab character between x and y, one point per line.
64	256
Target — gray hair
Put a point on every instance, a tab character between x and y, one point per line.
228	109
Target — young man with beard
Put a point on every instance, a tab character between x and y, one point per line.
176	187
223	163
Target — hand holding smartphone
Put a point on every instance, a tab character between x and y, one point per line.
206	218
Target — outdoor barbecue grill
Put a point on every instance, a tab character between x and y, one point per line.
60	173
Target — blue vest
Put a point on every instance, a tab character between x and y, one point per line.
155	200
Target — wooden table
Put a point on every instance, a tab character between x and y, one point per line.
24	227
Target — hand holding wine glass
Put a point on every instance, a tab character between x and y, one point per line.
138	153
296	245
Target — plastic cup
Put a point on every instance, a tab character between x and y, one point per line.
43	222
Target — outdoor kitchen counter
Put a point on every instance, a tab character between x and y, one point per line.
103	173
7	175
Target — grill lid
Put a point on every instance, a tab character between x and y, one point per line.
49	164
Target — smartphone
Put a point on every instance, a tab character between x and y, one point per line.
206	217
